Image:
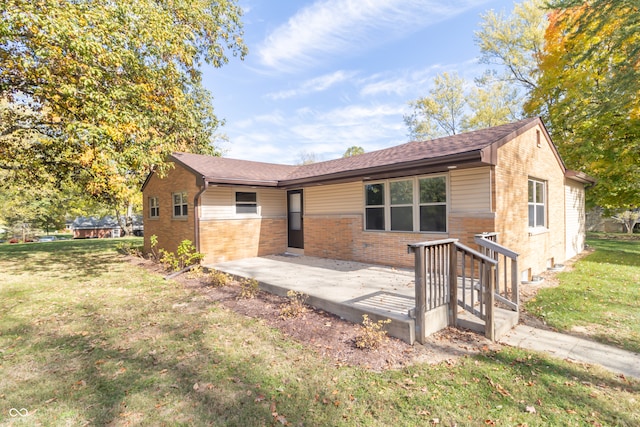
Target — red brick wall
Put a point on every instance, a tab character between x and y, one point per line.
519	160
228	239
170	231
99	233
343	237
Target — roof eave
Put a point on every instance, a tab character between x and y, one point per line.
397	169
241	182
579	177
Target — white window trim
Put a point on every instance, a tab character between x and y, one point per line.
538	229
246	215
416	203
185	201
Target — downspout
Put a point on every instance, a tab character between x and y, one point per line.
196	213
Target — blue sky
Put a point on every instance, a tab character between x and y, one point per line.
324	75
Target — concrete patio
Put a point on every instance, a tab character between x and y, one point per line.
345	288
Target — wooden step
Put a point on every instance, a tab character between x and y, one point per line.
504	321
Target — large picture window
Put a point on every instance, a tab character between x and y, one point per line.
415	204
180	205
537	203
246	203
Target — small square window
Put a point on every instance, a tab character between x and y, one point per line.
154	207
246	203
180	205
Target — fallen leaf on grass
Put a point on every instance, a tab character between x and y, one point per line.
281	419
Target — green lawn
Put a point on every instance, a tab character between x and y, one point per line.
600	297
87	339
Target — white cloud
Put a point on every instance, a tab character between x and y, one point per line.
413	84
325	133
318	84
337	27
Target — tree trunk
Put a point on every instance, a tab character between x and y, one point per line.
126	220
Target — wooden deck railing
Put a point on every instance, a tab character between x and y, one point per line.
448	272
507	279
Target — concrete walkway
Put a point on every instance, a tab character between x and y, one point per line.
351	289
565	346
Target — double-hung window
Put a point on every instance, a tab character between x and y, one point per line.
374	206
433	204
537	203
246	203
416	204
154	207
180	205
401	205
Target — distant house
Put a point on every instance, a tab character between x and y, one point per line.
507	179
95	228
105	227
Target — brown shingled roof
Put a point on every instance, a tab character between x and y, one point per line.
477	147
229	171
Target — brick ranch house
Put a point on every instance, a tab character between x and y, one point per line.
507	179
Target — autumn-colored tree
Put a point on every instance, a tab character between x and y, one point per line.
96	93
451	107
441	112
589	91
354	150
512	45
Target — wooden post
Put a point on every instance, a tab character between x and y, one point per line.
453	284
421	293
515	278
489	301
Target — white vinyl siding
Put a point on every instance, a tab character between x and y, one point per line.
217	203
574	218
220	203
272	202
470	190
337	199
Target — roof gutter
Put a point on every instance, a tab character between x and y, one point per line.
580	177
196	214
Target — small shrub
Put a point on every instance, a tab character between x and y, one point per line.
296	306
168	260
248	288
196	272
154	254
218	279
186	256
372	333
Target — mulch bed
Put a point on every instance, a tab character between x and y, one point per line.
328	335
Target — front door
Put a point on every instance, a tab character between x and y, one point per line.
294	219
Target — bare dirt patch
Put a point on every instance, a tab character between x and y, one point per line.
328	335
